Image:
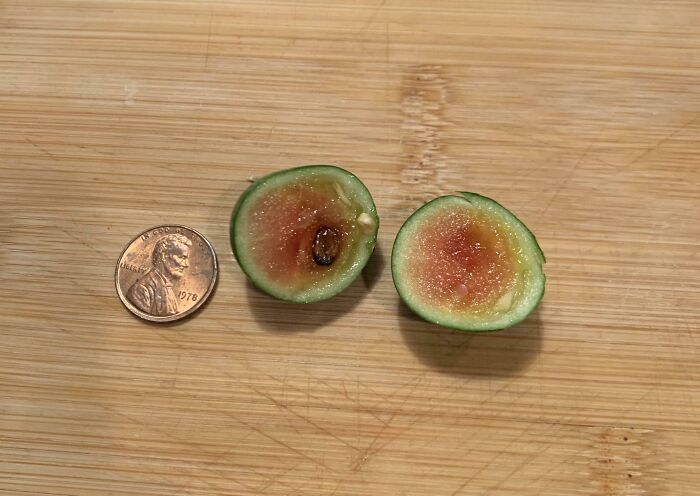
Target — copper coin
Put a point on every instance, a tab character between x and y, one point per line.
166	273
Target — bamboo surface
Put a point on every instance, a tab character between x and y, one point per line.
581	117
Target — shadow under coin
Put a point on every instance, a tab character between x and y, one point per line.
498	353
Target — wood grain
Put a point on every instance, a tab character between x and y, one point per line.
582	117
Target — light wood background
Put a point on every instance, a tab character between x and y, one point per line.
582	117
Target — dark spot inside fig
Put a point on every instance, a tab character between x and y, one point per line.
326	246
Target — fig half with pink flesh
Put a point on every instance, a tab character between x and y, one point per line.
304	235
466	262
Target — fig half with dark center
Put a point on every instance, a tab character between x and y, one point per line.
304	235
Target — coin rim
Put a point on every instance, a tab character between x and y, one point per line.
171	318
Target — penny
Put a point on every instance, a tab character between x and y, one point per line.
166	273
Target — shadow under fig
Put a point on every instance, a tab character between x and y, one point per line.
280	316
496	353
372	272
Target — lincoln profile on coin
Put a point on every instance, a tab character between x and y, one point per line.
153	293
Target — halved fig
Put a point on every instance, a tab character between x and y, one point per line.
466	262
303	235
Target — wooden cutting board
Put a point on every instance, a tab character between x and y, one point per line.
581	117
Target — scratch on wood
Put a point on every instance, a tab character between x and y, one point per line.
276	479
500	453
42	150
302	417
259	431
370	450
206	55
373	15
358	406
386	45
178	440
532	456
662	142
81	241
96	150
566	180
431	411
272	438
